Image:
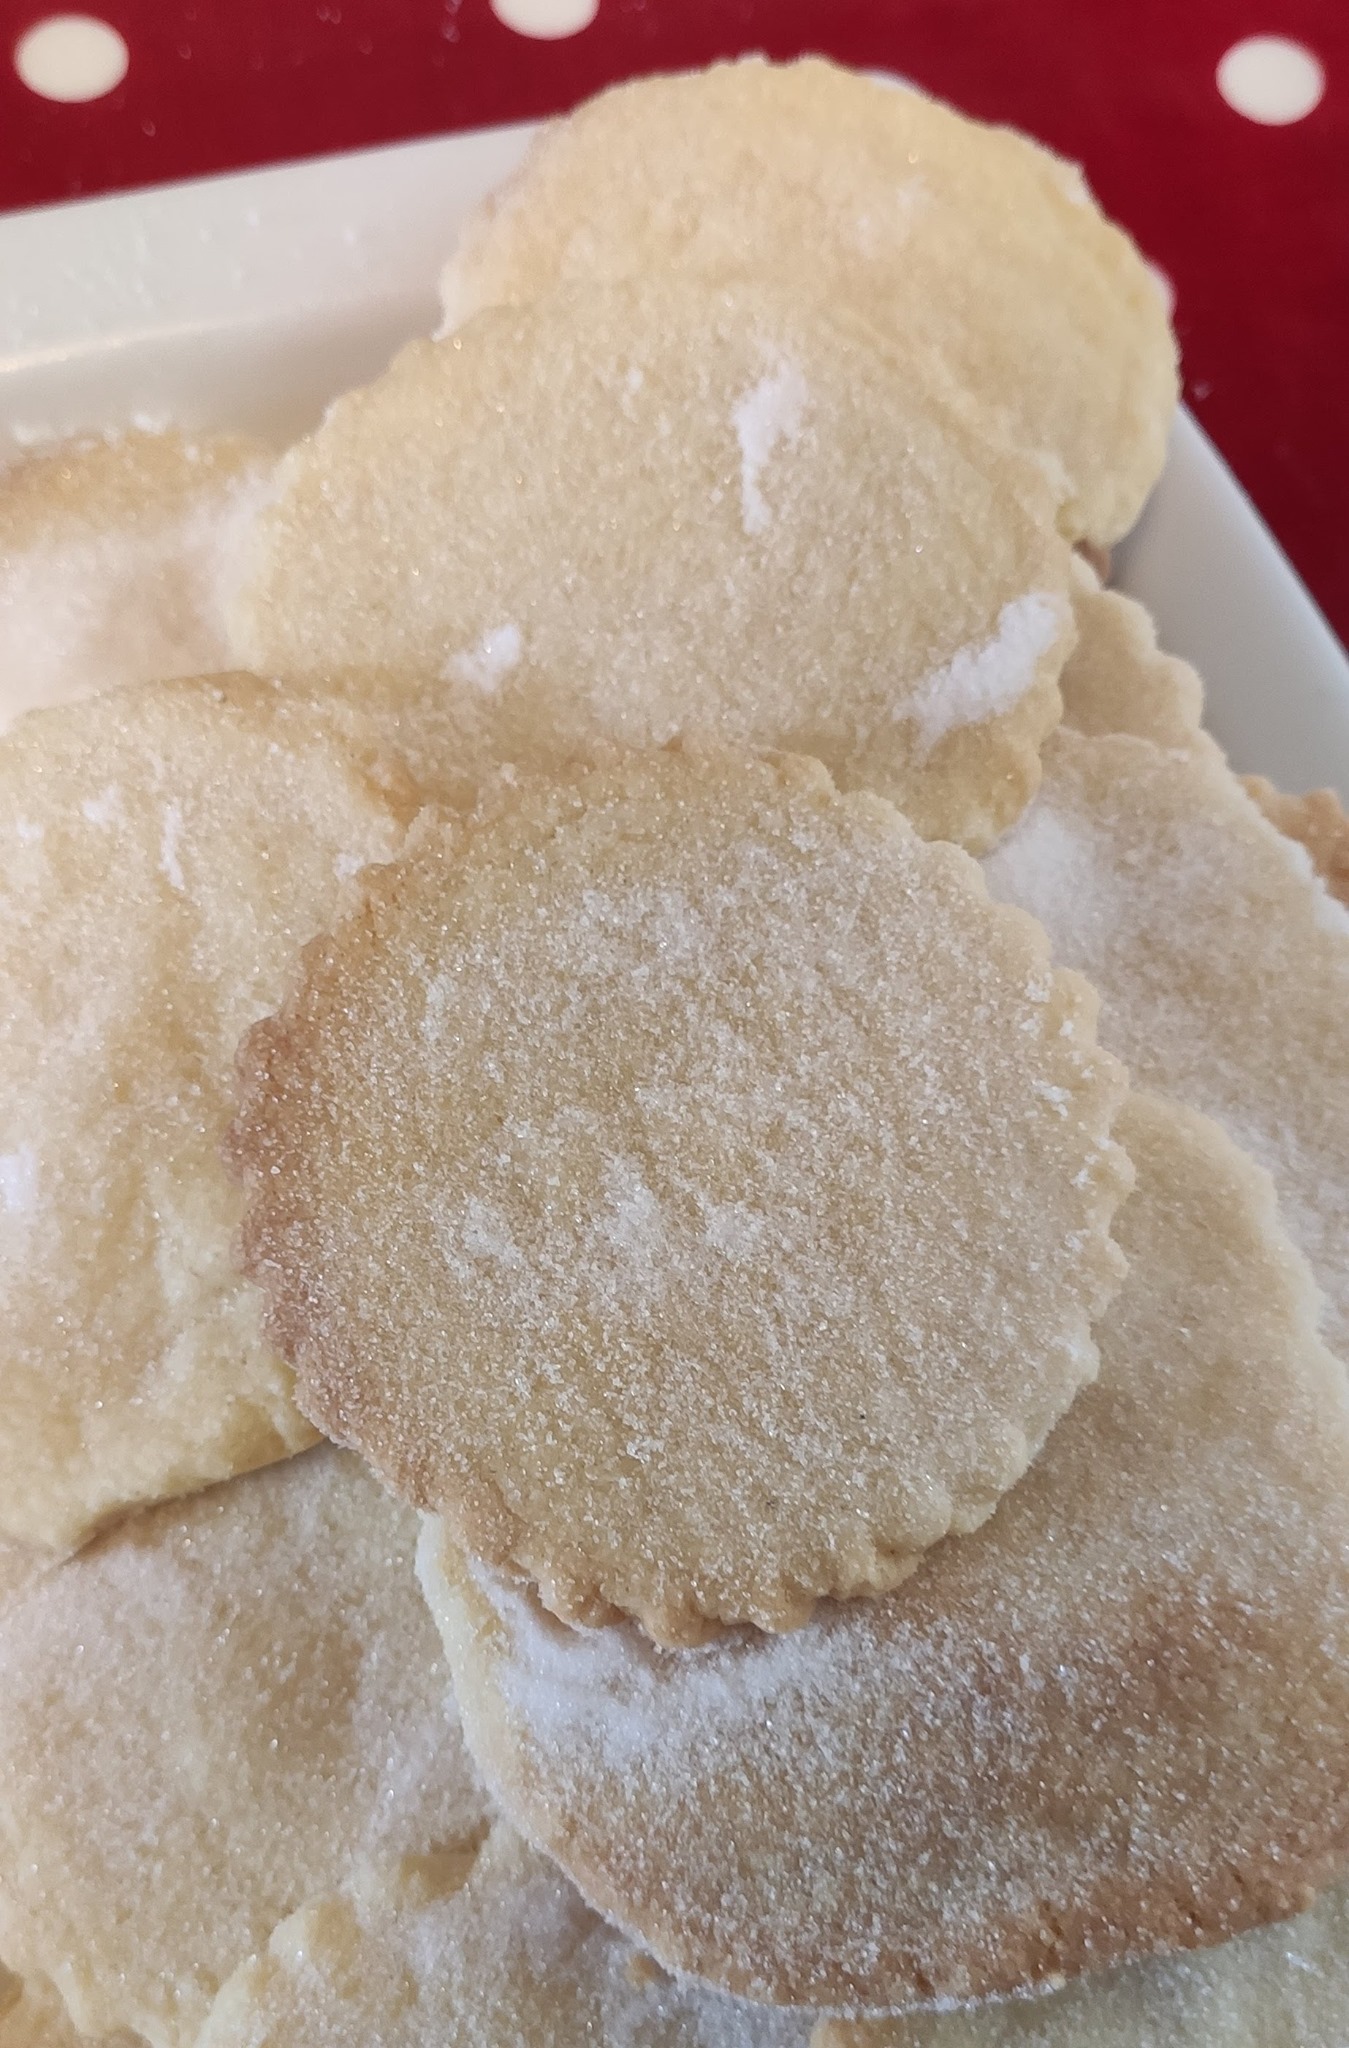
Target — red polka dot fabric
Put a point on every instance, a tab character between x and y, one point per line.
1246	216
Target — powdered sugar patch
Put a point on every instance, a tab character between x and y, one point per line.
169	864
770	413
105	808
18	1181
981	681
485	665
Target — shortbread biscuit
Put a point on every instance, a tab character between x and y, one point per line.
1282	1987
1114	1719
212	1714
1222	964
1317	821
1117	679
164	853
652	508
505	1955
878	199
686	1181
116	559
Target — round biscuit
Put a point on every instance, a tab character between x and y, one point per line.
872	197
1221	961
683	1178
164	853
1115	1719
657	508
213	1713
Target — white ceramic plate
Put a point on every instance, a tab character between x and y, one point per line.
250	301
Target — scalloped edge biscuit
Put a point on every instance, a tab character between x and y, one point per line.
876	197
1114	1720
1316	821
721	512
1221	961
1117	679
590	1183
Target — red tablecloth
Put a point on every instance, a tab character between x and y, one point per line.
1250	222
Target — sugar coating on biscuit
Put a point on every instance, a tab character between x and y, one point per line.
214	1713
656	508
503	1952
1285	1986
683	1178
1222	963
874	198
164	853
1117	679
117	559
1110	1721
32	2016
1317	821
20	1564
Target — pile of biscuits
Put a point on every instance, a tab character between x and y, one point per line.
629	934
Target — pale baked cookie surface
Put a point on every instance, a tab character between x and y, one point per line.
657	508
1114	1718
1117	679
503	1955
1317	821
1222	963
684	1179
215	1712
32	2016
19	1566
116	561
164	853
1285	1986
874	198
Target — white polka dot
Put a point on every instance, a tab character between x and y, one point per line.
1271	80
547	19
71	57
